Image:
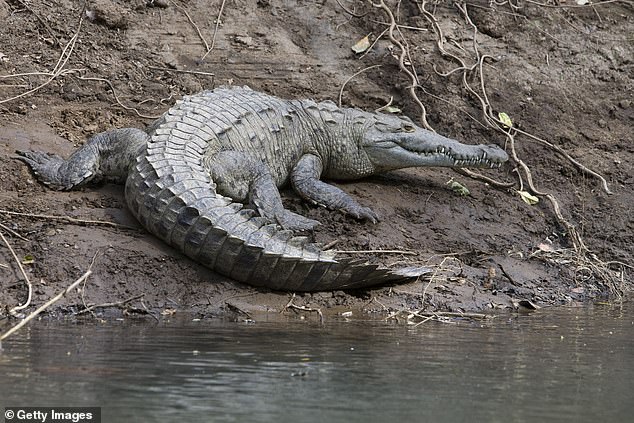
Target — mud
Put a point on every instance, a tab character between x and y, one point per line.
564	74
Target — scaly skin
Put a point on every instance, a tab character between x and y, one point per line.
188	175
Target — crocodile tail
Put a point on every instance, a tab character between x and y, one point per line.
182	208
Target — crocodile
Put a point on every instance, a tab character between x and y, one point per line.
205	178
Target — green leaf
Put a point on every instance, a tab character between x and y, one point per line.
362	45
505	119
28	259
458	188
528	197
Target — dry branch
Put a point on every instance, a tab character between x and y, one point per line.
24	275
68	219
44	307
213	38
92	307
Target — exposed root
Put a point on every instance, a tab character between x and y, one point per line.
472	69
403	57
590	261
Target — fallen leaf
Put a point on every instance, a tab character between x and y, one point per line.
28	259
392	109
505	119
528	197
362	45
546	248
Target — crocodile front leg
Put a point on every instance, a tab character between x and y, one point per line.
243	178
305	180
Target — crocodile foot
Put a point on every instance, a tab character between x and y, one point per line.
45	166
293	221
363	213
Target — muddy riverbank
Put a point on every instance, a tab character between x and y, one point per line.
562	74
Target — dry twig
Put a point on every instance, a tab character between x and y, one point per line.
42	21
12	232
213	38
24	275
44	307
116	97
59	66
302	308
350	79
106	305
69	219
191	72
404	252
191	21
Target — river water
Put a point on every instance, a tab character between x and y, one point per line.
566	364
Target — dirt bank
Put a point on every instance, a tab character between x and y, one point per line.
563	74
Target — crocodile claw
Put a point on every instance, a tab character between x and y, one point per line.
364	213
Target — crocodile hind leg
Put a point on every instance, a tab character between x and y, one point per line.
107	155
305	181
243	178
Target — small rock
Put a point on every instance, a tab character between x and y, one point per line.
107	13
602	123
245	40
625	104
158	3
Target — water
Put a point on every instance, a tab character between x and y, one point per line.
554	365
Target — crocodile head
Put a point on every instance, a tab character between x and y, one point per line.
393	142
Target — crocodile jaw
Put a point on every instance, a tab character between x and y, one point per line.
418	148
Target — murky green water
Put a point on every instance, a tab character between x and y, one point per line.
554	365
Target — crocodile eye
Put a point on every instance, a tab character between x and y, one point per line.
406	127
